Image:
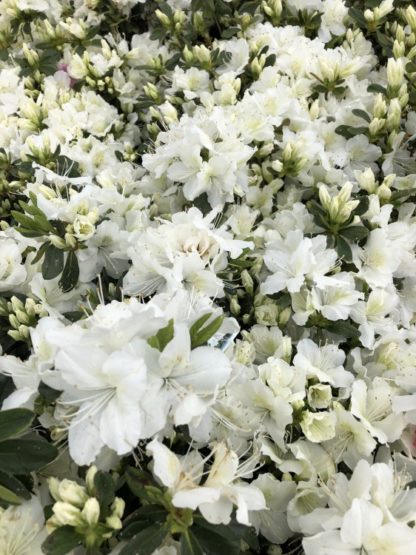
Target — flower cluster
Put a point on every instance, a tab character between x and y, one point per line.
207	277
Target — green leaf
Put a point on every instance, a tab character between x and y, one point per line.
362	207
249	7
14	485
61	541
163	337
233	531
349	132
411	67
376	88
354	232
14	421
363	115
137	480
48	393
41	252
70	273
190	545
141	519
53	262
343	249
358	17
343	328
212	543
21	456
230	32
146	541
200	335
8	496
104	489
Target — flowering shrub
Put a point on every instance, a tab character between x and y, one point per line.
207	277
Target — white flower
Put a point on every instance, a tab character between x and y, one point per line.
295	259
324	363
272	522
105	391
189	381
221	490
318	426
12	270
22	529
373	406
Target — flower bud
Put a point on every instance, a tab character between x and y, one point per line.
91	511
163	18
114	522
72	493
118	506
395	73
367	181
410	15
57	241
89	478
66	514
53	484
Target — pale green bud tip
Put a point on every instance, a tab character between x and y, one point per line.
91	511
89	478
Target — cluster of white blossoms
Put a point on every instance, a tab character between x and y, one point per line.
207	277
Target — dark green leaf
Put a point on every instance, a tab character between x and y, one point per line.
41	252
14	421
146	541
358	17
249	7
270	60
383	39
48	393
343	249
363	115
362	207
14	485
411	67
104	489
376	88
234	531
230	32
6	383
142	518
190	545
61	541
70	273
212	543
349	132
343	328
20	456
53	262
137	480
354	232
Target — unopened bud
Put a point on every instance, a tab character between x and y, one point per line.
91	511
66	514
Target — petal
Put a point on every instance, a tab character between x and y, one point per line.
166	465
192	498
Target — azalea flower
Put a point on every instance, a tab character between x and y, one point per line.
219	492
22	528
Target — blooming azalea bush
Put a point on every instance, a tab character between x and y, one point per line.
207	277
